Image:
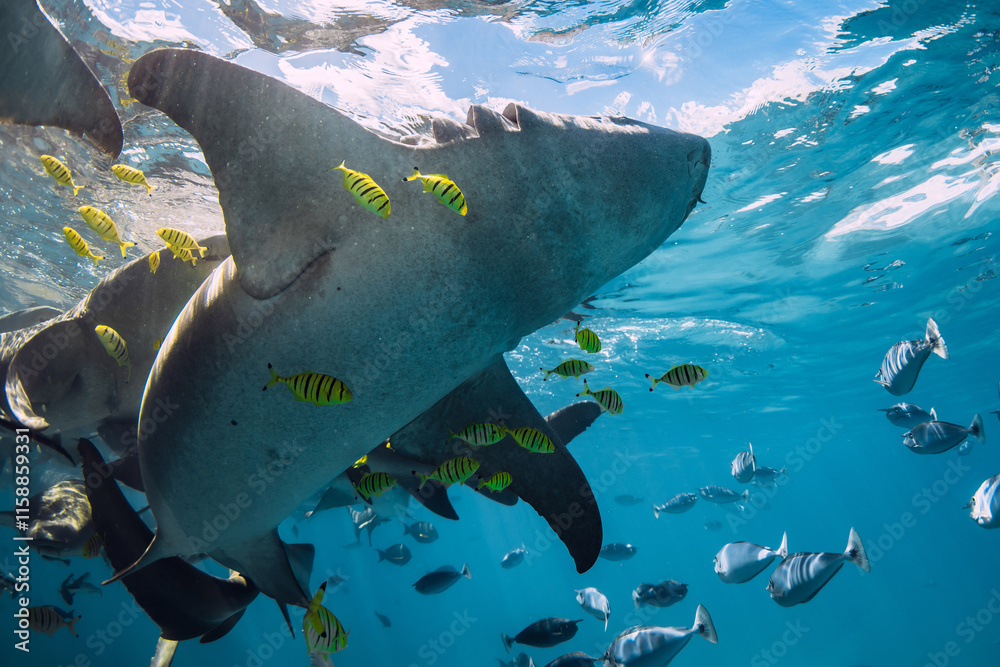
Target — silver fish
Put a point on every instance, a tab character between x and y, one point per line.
397	554
936	437
801	576
679	504
513	558
903	361
660	595
440	579
739	562
985	503
617	551
722	495
649	646
743	466
594	603
766	477
908	415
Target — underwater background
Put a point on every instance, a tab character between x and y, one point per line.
851	196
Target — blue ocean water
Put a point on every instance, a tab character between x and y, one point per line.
851	197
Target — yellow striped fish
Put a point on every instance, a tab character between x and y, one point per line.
452	471
683	375
532	439
115	346
48	619
443	188
366	191
154	261
60	172
92	548
587	340
184	254
324	633
179	240
105	227
608	398
374	484
313	387
498	482
77	243
570	368
132	175
480	435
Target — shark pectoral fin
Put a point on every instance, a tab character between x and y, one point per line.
245	145
223	628
552	484
29	317
44	82
19	402
126	471
432	494
574	419
280	570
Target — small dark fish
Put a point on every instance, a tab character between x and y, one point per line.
679	504
908	415
937	437
627	500
441	579
617	551
660	595
713	525
397	554
575	659
513	558
54	559
64	590
545	633
903	361
384	620
422	531
721	495
766	477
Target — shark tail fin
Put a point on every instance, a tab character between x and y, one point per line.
976	429
856	551
934	337
783	549
703	622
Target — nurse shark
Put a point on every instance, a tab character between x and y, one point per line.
412	312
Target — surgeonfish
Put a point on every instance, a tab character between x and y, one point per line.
315	388
587	340
722	495
365	191
936	437
617	551
800	576
545	633
985	503
115	346
374	484
908	415
573	368
682	375
60	172
154	261
498	482
48	619
651	646
574	659
628	500
440	579
452	471
384	620
443	188
903	361
422	531
743	466
105	227
77	243
679	504
133	176
607	398
766	477
739	562
397	554
480	435
179	240
594	603
513	558
323	632
663	594
531	439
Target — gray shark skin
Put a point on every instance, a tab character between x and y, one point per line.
558	205
181	599
28	317
44	82
60	377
